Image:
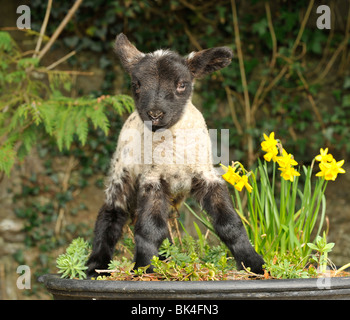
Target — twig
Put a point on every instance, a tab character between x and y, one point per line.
231	105
65	184
73	72
325	71
303	24
255	103
60	28
327	47
272	33
344	55
192	38
233	110
273	83
106	271
170	232
43	28
178	232
59	61
244	82
251	272
311	99
3	282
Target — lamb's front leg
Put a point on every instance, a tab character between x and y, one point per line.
151	226
215	200
108	229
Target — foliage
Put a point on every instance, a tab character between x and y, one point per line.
282	219
289	267
187	259
289	65
73	263
282	216
33	105
322	249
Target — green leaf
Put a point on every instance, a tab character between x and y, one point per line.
28	62
7	158
6	43
346	100
312	246
328	247
347	83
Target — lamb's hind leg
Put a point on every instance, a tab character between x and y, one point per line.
215	200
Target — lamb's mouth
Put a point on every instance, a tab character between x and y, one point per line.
155	122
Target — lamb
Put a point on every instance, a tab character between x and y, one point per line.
155	167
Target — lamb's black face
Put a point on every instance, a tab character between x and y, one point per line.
162	80
161	85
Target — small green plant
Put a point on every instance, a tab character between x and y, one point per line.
322	249
72	264
285	269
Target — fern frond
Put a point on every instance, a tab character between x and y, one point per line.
120	103
60	126
7	157
98	117
49	116
82	127
6	42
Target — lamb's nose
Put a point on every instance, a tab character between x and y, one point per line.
155	114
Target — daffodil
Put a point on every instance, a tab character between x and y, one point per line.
270	147
288	173
330	170
271	155
286	160
269	142
231	176
324	156
243	182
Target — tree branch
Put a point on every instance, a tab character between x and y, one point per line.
43	28
60	28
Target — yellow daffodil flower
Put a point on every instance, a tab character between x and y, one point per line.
288	173
269	142
324	156
243	182
330	170
231	176
286	160
269	146
271	155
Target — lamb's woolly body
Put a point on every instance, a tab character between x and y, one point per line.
146	184
178	176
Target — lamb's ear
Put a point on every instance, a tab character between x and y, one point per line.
209	60
127	52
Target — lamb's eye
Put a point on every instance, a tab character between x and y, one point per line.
136	86
181	87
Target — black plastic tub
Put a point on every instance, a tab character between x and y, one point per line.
290	289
